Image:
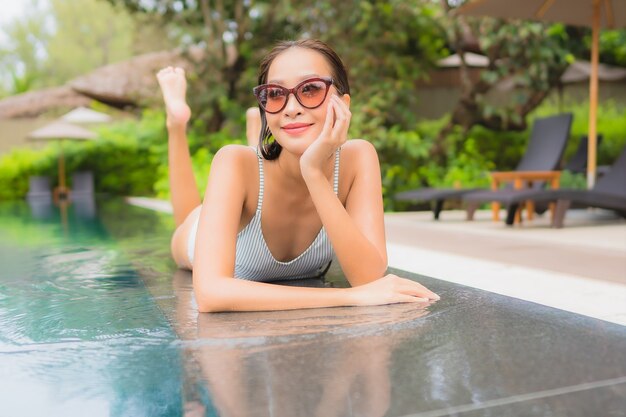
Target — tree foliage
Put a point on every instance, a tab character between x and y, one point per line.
387	45
528	57
51	45
21	59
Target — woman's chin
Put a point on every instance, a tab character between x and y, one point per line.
296	145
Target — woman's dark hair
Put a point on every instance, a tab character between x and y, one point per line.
270	149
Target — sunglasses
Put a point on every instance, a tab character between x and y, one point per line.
310	93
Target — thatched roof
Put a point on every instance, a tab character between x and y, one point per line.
128	83
35	103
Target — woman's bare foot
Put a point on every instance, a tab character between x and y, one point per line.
174	88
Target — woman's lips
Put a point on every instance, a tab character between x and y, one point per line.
296	128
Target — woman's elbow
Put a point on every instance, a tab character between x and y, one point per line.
209	298
211	304
206	305
371	274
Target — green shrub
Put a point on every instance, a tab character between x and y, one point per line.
17	166
124	159
404	155
130	157
611	124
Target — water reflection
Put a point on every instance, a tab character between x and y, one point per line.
79	333
317	362
469	348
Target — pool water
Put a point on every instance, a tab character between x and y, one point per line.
95	319
79	332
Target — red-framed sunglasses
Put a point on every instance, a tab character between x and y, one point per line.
310	93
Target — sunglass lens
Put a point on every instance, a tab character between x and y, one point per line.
272	99
312	94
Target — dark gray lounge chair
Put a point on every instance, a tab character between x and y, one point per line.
82	184
39	196
83	194
547	141
608	193
576	164
39	188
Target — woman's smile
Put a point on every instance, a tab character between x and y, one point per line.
296	128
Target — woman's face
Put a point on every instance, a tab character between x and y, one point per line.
295	127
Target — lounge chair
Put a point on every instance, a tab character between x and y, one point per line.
608	193
547	141
82	184
576	164
39	188
83	195
39	197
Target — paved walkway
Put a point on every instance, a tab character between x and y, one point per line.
580	268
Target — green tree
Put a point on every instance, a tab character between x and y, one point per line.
386	44
612	47
50	46
21	60
232	36
86	36
531	56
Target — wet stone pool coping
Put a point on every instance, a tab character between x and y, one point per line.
473	353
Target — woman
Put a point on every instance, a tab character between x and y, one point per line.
281	211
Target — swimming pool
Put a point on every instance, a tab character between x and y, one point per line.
96	320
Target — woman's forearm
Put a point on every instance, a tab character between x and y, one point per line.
221	294
360	260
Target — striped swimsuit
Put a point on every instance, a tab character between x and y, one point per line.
255	262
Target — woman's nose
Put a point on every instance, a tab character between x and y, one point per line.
293	107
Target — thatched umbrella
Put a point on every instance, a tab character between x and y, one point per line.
594	13
61	130
84	116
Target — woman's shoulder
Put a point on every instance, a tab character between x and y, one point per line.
235	155
235	152
358	146
238	163
359	150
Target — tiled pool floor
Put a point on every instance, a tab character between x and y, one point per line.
96	320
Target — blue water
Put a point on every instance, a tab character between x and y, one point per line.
96	320
80	335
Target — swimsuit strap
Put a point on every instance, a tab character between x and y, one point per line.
336	173
262	182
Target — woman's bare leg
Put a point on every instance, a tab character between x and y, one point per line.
183	189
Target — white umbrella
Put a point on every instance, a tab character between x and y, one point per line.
471	60
61	130
595	13
83	115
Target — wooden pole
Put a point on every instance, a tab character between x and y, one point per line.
593	95
61	166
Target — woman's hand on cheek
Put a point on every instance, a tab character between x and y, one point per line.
332	136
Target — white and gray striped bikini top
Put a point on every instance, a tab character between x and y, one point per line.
255	262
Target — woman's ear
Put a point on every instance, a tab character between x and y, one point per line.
346	99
